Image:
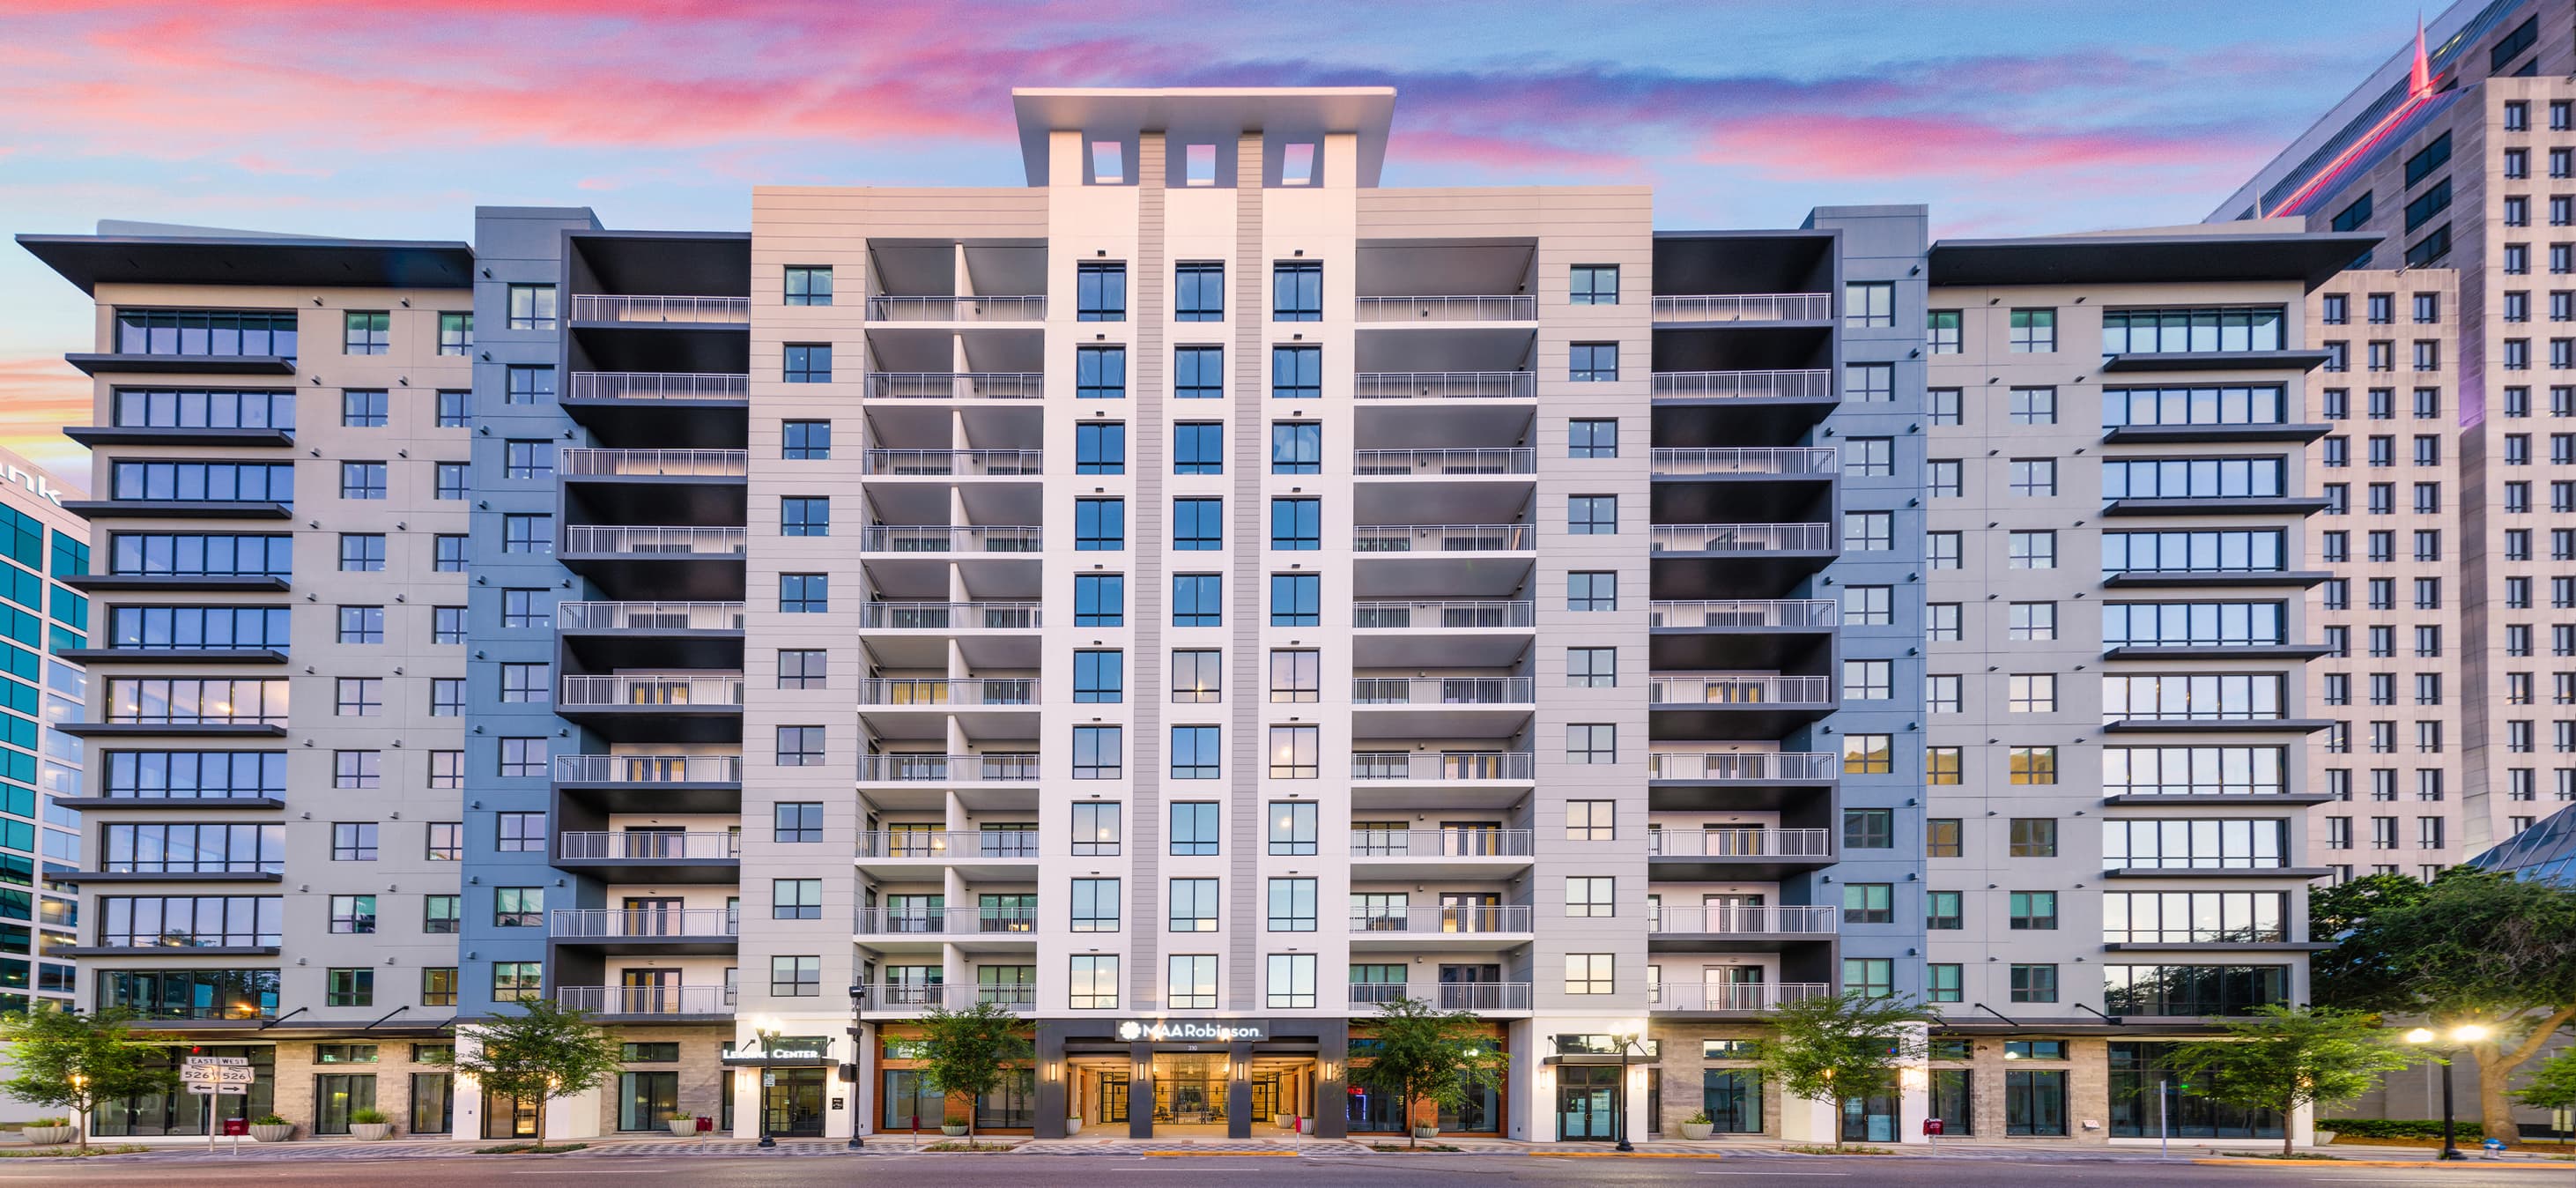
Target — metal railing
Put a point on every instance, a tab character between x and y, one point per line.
1745	307
957	385
1445	385
948	616
1471	690
1731	996
1799	384
1739	538
1441	538
956	463
1799	920
957	309
1744	612
1727	842
653	463
942	921
949	843
1479	917
907	996
1453	842
644	922
1748	765
648	769
1465	308
1397	463
646	844
615	690
1447	996
1716	460
1740	690
926	691
1442	614
629	539
947	769
602	307
1426	767
647	1000
648	616
948	538
658	385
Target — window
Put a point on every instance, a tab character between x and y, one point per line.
2031	550
522	758
1198	676
808	284
1869	829
2033	477
517	981
1592	590
522	534
796	899
350	987
1592	437
1945	405
808	363
1097	753
1095	905
1296	525
1292	905
1592	515
444	840
524	683
515	833
353	913
804	593
532	307
1198	373
357	769
1591	820
518	907
1297	291
1196	752
1099	525
799	746
1942	836
1100	291
1592	668
363	409
796	977
528	460
805	515
2031	693
449	480
1198	447
455	334
1590	973
1099	600
2033	983
1097	829
1869	903
359	697
1296	752
2033	911
1868	606
1198	291
2031	406
1094	982
1874	977
1593	284
528	384
1944	477
1869	457
1869	532
442	915
1194	829
1292	827
1869	303
1099	677
1869	383
1198	600
1296	448
1942	331
803	668
1868	754
2034	331
796	821
1295	675
1593	362
362	480
1592	743
366	332
1296	372
808	441
358	624
1192	982
1868	680
353	841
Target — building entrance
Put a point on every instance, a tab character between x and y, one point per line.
1194	1094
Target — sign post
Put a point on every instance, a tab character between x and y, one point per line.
217	1077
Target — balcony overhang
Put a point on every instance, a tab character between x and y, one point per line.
2287	579
125	435
284	261
176	582
2196	257
1755	868
2217	361
176	509
173	729
2250	505
2211	434
2220	652
92	804
2294	873
172	655
656	870
2216	726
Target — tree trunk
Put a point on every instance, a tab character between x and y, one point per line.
2495	1079
541	1122
2286	1130
80	1127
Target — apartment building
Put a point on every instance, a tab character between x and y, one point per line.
260	882
48	623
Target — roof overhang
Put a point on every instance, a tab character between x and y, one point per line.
2146	259
1205	114
92	260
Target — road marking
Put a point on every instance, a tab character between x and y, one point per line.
1771	1173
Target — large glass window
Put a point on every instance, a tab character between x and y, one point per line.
164	408
2192	624
2202	844
2193	990
2169	331
2149	1097
2258	404
2034	1101
1198	291
2194	917
2193	478
201	482
205	332
1297	291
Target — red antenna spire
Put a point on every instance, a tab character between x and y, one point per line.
2419	81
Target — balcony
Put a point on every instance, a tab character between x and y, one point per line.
691	311
1445	633
649	1003
952	463
886	927
976	310
615	635
1452	779
655	708
1440	928
651	856
1766	781
1484	998
1468	852
1739	634
1443	463
648	617
1441	707
652	783
595	463
913	768
621	486
1721	462
1738	998
935	693
1735	706
657	386
1736	855
1445	385
1710	559
690	561
1478	308
947	538
1743	307
1742	538
1744	614
950	617
1800	383
1434	614
956	385
671	931
1743	929
945	846
905	998
1442	538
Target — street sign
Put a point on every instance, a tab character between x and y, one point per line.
209	1089
219	1061
217	1074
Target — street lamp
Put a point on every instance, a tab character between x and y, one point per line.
858	1061
2460	1037
1619	1121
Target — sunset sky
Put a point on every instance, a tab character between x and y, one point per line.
395	120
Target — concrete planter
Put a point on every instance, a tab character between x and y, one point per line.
1426	1132
371	1132
1072	1127
279	1133
1695	1131
41	1135
683	1127
1283	1121
953	1129
2325	1136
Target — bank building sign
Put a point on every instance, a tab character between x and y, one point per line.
1137	1029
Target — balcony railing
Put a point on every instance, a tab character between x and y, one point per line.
1018	691
1445	385
644	922
962	921
1740	690
947	769
648	616
648	769
1740	538
658	385
957	309
1501	690
1802	384
1456	765
1759	460
907	996
956	385
598	307
1396	463
1731	996
647	1000
641	844
1745	307
1744	612
956	463
1739	843
1447	996
1801	920
1499	308
948	616
949	843
1442	615
1475	918
722	691
1456	842
631	540
1441	538
945	538
653	463
1750	765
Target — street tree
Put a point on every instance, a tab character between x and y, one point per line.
75	1061
1833	1047
543	1052
2280	1058
2552	1085
971	1052
1422	1054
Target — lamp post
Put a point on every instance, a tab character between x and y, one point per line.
2460	1037
858	1062
1619	1121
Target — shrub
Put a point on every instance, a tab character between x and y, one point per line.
51	1122
366	1117
1700	1119
268	1120
2387	1127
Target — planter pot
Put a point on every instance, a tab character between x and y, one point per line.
48	1134
1072	1127
1426	1132
1283	1121
1695	1131
953	1129
371	1132
683	1127
282	1132
2326	1136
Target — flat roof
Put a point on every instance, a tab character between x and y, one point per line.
1204	114
92	260
2177	259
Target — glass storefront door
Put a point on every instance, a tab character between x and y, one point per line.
433	1103
911	1104
647	1100
793	1100
1587	1102
336	1094
508	1117
1869	1119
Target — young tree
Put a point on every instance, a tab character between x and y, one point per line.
1829	1048
1425	1054
2552	1085
2281	1058
77	1061
971	1052
545	1051
2474	947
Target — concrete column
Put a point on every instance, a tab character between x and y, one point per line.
1054	1085
1238	1090
1140	1090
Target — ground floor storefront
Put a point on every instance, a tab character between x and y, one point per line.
322	1086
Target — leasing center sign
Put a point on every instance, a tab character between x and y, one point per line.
1189	1032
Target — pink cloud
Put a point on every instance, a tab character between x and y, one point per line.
1881	148
38	396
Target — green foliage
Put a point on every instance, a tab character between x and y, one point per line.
1426	1054
545	1051
971	1051
2333	909
1847	1045
1700	1119
2552	1085
2383	1127
367	1117
269	1120
2280	1058
76	1061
